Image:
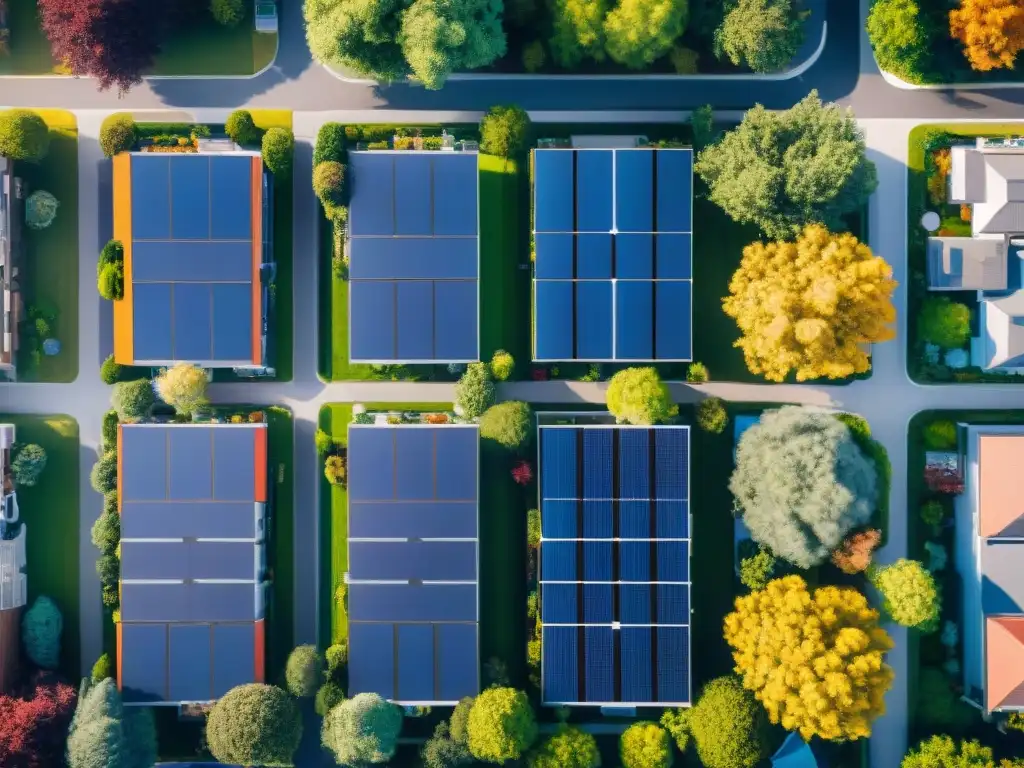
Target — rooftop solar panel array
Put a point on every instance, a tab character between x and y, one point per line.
413	563
613	267
192	257
615	559
413	257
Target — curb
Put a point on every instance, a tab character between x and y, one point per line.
903	85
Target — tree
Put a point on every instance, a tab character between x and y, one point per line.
501	725
329	184
442	752
29	463
728	726
361	35
103	477
102	669
278	146
801	483
758	569
140	742
992	32
117	134
761	34
474	392
240	127
328	696
110	282
712	416
36	724
108	568
110	370
854	554
577	31
785	170
440	36
98	743
303	671
569	748
105	734
114	41
507	424
132	399
943	752
254	724
638	396
40	209
183	387
898	38
944	322
40	632
323	441
23	135
811	306
911	596
638	32
702	125
505	132
331	144
940	435
458	723
814	660
645	745
363	729
502	363
227	12
336	470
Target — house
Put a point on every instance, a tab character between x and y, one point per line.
989	177
196	234
10	294
990	548
13	591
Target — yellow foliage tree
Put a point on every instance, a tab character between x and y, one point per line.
814	660
811	306
183	387
992	31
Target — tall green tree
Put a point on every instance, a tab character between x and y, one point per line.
898	34
761	34
577	31
638	32
362	730
784	170
361	35
105	734
441	36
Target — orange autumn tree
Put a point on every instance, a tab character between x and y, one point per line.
992	31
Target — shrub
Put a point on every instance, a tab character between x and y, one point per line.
702	125
23	135
336	470
940	435
507	424
29	463
106	532
117	134
240	125
474	392
102	669
911	596
35	726
501	725
110	371
505	131
684	60
697	373
944	322
854	554
645	745
638	396
502	365
533	528
324	442
254	724
933	513
183	387
103	477
712	416
278	146
522	473
110	502
757	570
40	632
331	144
569	748
328	696
40	209
336	658
108	431
729	726
229	13
303	671
441	751
112	253
110	282
132	399
534	56
329	184
363	729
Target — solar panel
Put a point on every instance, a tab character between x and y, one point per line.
614	564
413	257
412	595
613	261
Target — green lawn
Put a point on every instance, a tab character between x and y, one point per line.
334	363
50	513
30	50
51	254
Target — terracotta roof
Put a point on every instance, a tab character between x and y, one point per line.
1004	662
1000	462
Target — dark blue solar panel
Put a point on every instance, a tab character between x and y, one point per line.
372	197
374	646
673	561
143	463
675	178
457	650
234	656
597	519
193	320
673	603
635	519
372	320
672	519
189	663
600	663
412	602
634	561
419	258
593	320
594	190
371	456
231	197
597	463
594	256
559	604
634	191
415	662
560	667
635	603
673	306
191	464
414	520
401	560
234	470
634	459
558	519
634	256
414	463
151	197
152	322
673	664
636	664
211	519
154	560
597	603
456	179
634	319
554	256
455	320
558	471
200	261
415	305
675	256
553	187
413	195
671	455
232	322
558	561
597	560
554	320
143	662
190	198
456	463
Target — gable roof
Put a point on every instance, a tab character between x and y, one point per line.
1004	657
993	181
967	263
1000	506
1003	323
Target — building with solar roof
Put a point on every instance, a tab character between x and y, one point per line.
613	255
413	605
615	565
413	252
196	233
193	506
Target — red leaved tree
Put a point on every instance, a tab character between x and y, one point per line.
522	472
114	41
943	479
33	730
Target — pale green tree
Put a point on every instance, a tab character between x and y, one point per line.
362	730
360	35
897	34
638	32
943	752
645	745
911	595
441	36
761	34
183	387
577	31
569	748
501	725
638	396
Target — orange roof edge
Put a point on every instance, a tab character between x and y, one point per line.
118	627
261	463
124	341
260	649
256	200
1004	662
